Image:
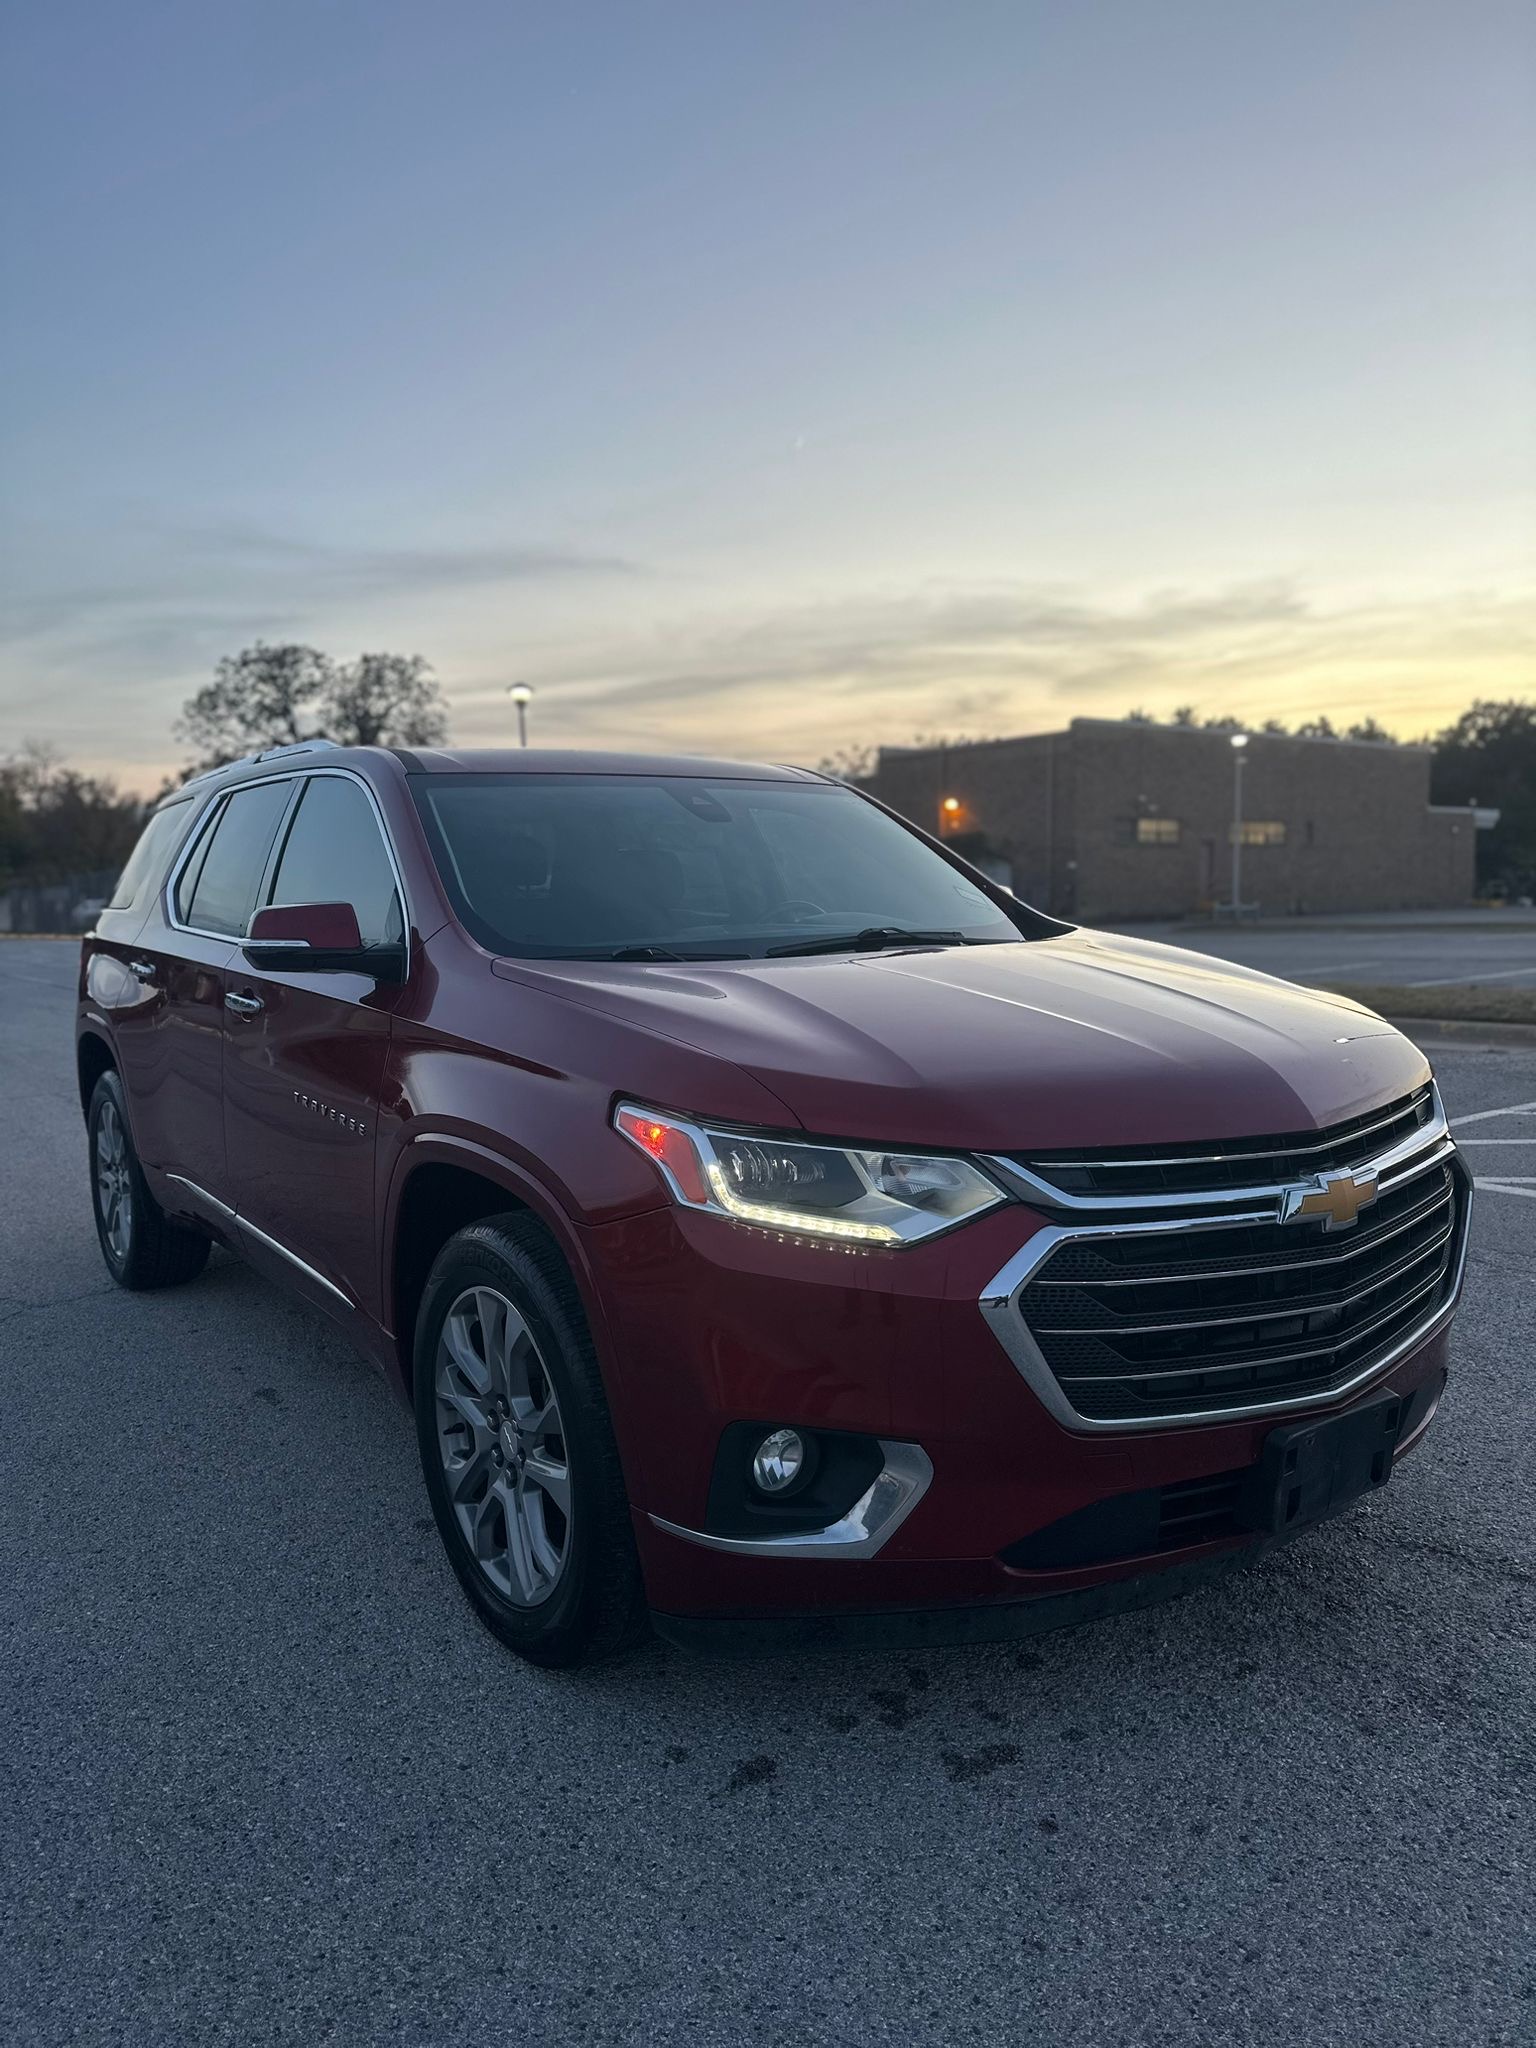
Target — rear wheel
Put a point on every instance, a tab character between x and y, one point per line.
142	1247
517	1448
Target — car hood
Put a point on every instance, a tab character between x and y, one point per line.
1081	1039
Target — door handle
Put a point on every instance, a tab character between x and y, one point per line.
247	1006
142	970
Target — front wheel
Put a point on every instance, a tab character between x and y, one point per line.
517	1448
141	1245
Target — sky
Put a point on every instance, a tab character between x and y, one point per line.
768	379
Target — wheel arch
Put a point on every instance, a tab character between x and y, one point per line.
443	1185
93	1058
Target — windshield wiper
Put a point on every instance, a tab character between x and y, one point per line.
873	939
661	953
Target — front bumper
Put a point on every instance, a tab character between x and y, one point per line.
709	1323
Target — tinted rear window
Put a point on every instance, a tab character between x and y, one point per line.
150	858
230	867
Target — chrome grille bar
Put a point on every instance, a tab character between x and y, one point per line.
1187	1368
1420	1149
1278	1151
1310	1305
1060	1349
1342	1256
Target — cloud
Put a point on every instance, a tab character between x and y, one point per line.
1000	658
796	680
333	569
223	577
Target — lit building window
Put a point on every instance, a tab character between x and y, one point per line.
1261	832
1158	831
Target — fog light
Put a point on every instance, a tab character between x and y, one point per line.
778	1461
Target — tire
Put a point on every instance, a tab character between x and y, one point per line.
142	1247
518	1452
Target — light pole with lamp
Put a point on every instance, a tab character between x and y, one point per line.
520	695
1239	755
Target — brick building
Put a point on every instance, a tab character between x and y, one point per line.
1120	819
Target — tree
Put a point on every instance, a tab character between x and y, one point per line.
1320	728
1489	757
850	764
275	696
386	700
1368	729
56	823
262	697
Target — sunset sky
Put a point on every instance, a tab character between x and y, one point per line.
770	378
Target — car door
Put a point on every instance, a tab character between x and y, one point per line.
171	1039
305	1055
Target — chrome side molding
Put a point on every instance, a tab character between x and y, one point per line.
243	1227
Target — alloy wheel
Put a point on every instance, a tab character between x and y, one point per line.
502	1446
114	1183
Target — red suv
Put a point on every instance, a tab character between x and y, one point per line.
779	1230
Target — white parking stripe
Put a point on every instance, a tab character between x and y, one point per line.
1473	980
1481	1115
1505	1187
1501	1141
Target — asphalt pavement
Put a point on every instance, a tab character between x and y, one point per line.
1422	952
264	1780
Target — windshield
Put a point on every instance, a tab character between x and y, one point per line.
602	866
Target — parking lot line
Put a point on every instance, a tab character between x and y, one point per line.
1505	1187
1481	1115
1474	980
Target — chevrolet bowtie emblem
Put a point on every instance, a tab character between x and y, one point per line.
1337	1198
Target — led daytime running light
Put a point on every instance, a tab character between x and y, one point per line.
801	1220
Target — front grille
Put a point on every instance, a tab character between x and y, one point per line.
1239	1163
1192	1315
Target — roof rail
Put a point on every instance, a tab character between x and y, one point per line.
266	754
294	747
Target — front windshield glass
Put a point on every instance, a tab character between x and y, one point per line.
598	866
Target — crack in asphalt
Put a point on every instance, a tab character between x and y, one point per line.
17	1309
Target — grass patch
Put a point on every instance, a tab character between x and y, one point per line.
1474	1004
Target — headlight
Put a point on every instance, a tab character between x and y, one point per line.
819	1190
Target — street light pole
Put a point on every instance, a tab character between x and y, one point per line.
1239	755
520	694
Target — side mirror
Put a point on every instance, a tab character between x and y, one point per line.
318	938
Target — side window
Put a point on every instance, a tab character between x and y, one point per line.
186	882
231	864
335	854
150	857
